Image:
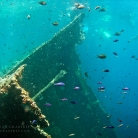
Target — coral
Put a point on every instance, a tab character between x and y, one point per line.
18	109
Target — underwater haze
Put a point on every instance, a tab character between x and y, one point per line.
108	55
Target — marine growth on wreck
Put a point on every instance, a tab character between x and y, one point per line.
27	87
18	110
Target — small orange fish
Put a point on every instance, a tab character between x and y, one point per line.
124	92
101	90
81	6
101	56
109	116
120	125
71	135
55	23
28	17
97	7
42	2
77	117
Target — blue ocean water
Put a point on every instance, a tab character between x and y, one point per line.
123	69
19	36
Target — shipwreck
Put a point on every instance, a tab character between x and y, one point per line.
25	89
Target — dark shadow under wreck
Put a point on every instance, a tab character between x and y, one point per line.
53	61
